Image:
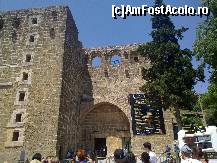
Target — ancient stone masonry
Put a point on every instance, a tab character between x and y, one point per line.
55	95
117	74
39	81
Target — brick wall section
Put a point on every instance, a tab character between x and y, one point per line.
8	72
44	109
72	90
115	89
62	85
42	124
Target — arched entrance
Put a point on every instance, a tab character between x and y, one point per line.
104	128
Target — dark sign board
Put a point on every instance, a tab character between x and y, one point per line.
210	155
203	138
146	120
193	129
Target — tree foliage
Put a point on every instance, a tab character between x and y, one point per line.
206	44
206	48
192	120
208	102
171	77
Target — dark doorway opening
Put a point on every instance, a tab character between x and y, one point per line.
175	131
100	147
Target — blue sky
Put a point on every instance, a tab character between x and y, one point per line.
97	27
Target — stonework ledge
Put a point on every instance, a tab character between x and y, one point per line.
6	84
17	125
13	144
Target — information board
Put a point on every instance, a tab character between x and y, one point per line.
211	155
146	120
203	142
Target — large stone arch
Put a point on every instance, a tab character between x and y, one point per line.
107	121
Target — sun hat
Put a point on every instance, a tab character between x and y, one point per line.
186	149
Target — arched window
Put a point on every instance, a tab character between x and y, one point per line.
115	60
96	62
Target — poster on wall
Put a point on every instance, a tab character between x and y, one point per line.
146	120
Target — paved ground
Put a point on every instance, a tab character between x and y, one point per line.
112	161
139	161
213	161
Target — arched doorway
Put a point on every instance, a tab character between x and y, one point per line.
104	128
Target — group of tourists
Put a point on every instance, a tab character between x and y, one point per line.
194	155
37	158
81	156
187	155
148	156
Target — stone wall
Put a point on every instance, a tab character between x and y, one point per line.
44	101
120	80
48	84
72	89
41	45
104	121
112	83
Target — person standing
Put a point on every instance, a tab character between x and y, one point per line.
36	158
186	155
118	155
198	154
145	157
168	153
152	155
129	158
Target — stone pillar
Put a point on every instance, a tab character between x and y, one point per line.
113	143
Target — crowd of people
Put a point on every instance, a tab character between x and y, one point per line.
81	156
194	155
187	155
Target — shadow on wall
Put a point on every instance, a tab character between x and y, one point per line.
76	90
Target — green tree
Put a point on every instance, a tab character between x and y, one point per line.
206	48
208	102
206	44
171	77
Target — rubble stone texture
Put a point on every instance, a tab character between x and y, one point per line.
64	101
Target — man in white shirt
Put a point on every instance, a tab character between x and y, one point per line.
186	155
147	148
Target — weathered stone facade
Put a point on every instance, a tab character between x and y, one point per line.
52	63
112	84
52	98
